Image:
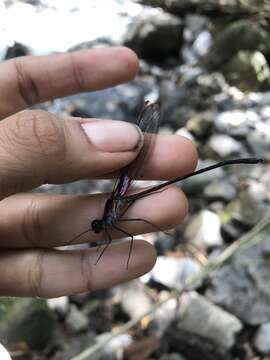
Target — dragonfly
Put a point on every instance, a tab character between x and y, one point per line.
120	200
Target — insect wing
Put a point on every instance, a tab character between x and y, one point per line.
148	122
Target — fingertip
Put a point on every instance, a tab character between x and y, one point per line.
146	256
129	60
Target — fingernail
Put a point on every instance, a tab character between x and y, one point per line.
113	136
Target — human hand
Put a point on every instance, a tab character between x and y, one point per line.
37	147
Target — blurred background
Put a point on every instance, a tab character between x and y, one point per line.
207	63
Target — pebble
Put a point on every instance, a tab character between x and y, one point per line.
262	339
203	230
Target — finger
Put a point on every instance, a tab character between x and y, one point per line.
53	273
29	80
37	147
42	220
171	156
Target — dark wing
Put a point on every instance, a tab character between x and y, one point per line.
148	122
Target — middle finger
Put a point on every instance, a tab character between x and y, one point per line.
42	220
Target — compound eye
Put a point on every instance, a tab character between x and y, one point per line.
96	226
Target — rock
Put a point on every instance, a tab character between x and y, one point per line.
115	348
201	125
133	298
222	190
230	232
201	317
249	71
204	230
196	184
156	35
245	210
237	123
173	272
241	285
262	339
251	37
224	146
76	320
4	355
26	320
256	189
202	328
259	140
202	44
172	356
60	305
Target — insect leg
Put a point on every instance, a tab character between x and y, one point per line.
105	246
78	236
131	241
149	223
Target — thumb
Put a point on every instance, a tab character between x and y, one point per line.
37	147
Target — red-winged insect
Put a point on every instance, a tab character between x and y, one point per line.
119	202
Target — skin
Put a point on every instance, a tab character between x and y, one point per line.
37	147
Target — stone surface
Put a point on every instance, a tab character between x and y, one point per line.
133	298
203	230
220	190
262	339
205	319
242	285
76	320
224	146
173	272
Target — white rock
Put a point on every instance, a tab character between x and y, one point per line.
4	355
204	230
224	145
173	272
60	304
76	320
201	317
262	339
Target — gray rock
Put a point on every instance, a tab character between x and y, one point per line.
220	190
201	124
259	141
172	356
76	320
262	339
204	230
202	318
156	35
242	285
256	189
245	210
133	298
224	146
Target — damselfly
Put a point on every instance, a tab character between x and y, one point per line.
120	201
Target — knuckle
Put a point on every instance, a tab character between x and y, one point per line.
76	72
37	132
86	271
35	273
31	227
27	87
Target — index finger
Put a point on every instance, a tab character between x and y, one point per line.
29	80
